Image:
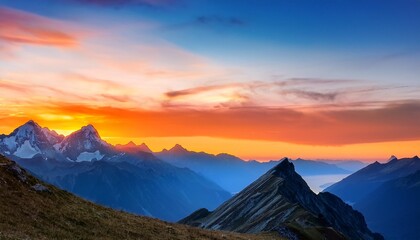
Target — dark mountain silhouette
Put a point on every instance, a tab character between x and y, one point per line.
281	201
361	183
393	208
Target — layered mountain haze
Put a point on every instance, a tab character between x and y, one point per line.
393	208
363	182
131	147
387	194
239	173
281	201
32	209
138	182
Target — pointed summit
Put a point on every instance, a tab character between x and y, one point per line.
130	144
278	200
392	159
143	147
89	130
178	149
83	142
28	140
285	166
131	147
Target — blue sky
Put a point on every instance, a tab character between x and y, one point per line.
294	58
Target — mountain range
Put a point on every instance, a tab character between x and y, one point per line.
240	173
84	164
281	201
388	195
32	209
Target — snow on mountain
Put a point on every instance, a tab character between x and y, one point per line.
89	156
83	144
26	150
28	140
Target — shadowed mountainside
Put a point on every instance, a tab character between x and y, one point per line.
281	201
31	209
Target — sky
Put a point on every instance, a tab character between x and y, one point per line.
334	79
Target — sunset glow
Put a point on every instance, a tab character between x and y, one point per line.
161	73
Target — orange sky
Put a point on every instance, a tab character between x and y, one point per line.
262	134
65	74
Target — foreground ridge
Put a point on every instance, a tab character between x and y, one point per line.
281	201
31	209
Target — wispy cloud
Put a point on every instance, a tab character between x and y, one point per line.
312	95
151	3
219	19
21	27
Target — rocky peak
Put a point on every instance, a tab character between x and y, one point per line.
285	168
178	149
392	159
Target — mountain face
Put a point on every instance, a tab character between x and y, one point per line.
363	182
29	140
281	201
84	164
32	209
84	145
393	208
240	173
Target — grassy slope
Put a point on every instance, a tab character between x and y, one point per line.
56	214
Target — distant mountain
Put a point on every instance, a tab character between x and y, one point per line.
350	165
32	209
131	147
393	208
363	182
281	201
239	173
135	181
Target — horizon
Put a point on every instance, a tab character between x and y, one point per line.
384	160
337	80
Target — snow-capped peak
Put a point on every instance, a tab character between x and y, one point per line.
26	141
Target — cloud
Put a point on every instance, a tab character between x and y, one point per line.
11	86
20	27
151	3
392	122
208	20
218	19
198	90
311	95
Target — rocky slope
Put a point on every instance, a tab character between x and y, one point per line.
281	201
31	209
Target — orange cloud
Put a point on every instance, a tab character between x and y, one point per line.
26	28
396	122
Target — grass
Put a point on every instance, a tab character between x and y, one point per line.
57	214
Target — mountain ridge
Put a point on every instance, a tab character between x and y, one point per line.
32	209
281	201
